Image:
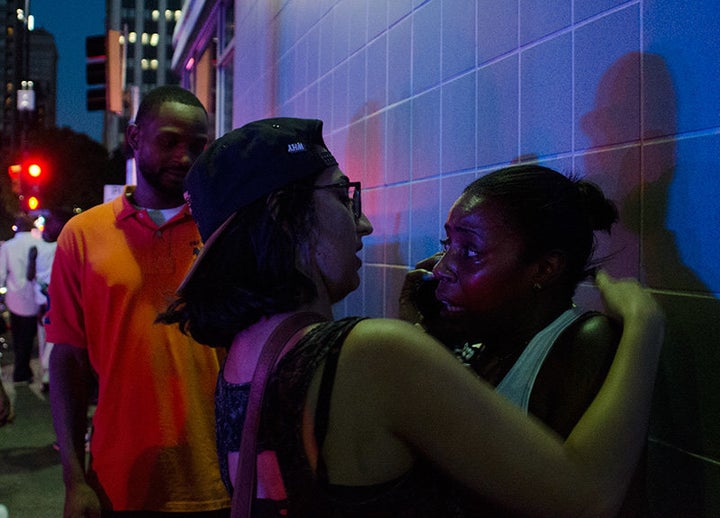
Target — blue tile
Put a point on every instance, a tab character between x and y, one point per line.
607	80
451	187
425	219
586	8
374	209
458	124
374	174
539	18
426	134
395	225
340	97
399	61
427	48
357	14
398	143
397	10
686	36
377	18
458	37
546	97
497	112
357	75
497	31
685	203
376	79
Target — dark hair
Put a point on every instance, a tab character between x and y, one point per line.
156	97
551	212
251	270
24	222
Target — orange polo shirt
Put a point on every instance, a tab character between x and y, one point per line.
153	446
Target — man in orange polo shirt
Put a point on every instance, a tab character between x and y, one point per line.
116	267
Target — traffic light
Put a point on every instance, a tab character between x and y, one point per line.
103	70
32	203
32	175
34	170
14	171
95	72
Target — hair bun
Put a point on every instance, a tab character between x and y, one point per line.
601	211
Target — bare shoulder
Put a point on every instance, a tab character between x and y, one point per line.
391	356
574	371
587	343
596	330
382	340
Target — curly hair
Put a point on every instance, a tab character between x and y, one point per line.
252	270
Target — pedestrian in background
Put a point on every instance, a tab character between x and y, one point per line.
39	271
20	296
116	267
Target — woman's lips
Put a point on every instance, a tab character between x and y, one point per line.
450	308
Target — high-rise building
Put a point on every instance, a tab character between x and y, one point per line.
43	73
146	28
28	61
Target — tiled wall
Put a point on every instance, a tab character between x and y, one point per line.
421	96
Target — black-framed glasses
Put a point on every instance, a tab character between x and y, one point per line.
353	194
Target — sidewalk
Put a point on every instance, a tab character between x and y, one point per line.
30	472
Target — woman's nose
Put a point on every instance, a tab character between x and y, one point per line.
442	269
364	226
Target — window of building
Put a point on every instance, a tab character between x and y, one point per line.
149	77
227	24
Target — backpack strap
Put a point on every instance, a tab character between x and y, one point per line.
244	490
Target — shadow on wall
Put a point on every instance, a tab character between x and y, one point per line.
685	428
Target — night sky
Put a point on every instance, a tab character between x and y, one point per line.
70	21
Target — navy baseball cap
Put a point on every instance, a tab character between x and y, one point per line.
251	162
247	164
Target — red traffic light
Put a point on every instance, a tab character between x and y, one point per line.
34	170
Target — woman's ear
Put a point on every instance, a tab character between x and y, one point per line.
550	267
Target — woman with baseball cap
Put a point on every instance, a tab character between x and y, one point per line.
370	417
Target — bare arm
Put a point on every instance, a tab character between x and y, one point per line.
616	423
70	373
422	396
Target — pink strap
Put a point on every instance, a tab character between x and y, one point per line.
244	491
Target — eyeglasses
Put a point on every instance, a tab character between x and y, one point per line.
353	197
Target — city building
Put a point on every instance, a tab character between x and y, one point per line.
28	62
204	43
146	29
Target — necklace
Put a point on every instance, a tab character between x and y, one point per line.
491	367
